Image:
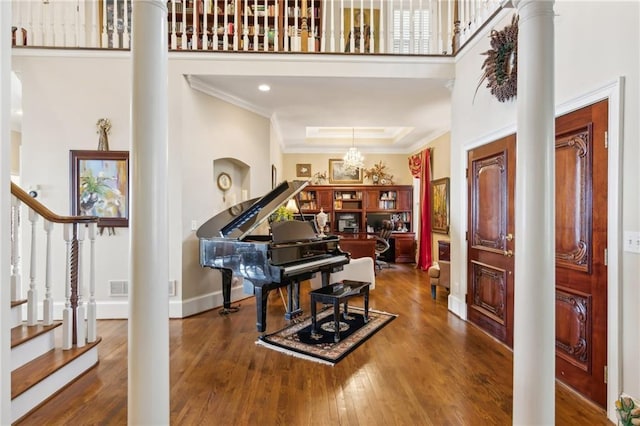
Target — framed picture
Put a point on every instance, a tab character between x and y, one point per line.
440	205
339	174
303	170
363	28
100	186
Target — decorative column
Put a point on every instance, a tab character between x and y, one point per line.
534	310
148	361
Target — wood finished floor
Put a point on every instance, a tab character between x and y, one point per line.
427	367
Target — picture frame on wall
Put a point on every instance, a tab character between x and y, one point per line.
440	205
303	170
339	174
100	186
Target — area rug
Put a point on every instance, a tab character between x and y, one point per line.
297	340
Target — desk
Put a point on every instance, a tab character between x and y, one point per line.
359	245
339	293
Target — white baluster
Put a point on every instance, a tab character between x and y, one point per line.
372	28
30	30
256	25
32	294
285	28
17	13
383	33
205	33
323	32
245	27
105	35
15	249
56	18
362	27
450	24
93	41
194	23
115	36
185	37
332	41
92	333
47	303
312	36
81	326
276	35
295	37
342	39
126	38
174	36
67	314
352	41
265	26
225	40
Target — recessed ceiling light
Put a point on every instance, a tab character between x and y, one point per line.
264	88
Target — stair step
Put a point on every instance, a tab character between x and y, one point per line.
48	374
30	374
23	332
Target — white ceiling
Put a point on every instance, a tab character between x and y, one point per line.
321	114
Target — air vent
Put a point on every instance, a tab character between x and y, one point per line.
118	288
121	288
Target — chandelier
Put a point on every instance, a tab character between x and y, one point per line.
353	159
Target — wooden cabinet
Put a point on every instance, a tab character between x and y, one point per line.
264	25
403	247
362	209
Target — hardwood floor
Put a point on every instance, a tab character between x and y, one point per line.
427	367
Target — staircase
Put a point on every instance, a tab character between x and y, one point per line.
47	354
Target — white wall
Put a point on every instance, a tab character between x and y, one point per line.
596	42
63	97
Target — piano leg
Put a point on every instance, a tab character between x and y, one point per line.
227	276
293	302
261	308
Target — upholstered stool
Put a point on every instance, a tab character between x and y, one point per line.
360	269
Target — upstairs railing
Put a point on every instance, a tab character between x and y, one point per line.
414	27
78	320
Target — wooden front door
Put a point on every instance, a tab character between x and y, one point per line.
581	237
491	186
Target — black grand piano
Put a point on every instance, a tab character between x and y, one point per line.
291	253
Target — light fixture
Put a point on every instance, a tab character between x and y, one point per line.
264	87
292	206
353	159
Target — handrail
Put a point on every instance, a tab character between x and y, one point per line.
43	211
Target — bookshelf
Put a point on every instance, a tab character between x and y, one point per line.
263	25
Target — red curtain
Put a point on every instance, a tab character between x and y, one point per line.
419	164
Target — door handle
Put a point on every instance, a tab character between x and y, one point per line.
508	253
509	237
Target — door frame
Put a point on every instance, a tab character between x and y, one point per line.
613	92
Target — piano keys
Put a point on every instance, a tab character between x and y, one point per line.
292	253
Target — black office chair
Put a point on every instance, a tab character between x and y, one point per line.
382	243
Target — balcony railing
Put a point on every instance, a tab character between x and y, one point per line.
413	27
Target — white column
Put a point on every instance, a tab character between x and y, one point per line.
5	209
534	310
148	348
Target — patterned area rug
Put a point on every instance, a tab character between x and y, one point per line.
297	339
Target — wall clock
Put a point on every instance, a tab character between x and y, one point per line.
501	65
224	181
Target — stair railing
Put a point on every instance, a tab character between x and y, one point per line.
416	27
78	320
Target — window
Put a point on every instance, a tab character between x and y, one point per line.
411	31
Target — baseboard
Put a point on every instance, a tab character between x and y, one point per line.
119	309
207	302
457	306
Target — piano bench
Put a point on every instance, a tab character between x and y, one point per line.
336	294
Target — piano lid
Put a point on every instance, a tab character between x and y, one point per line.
240	220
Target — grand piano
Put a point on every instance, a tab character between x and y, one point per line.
291	253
